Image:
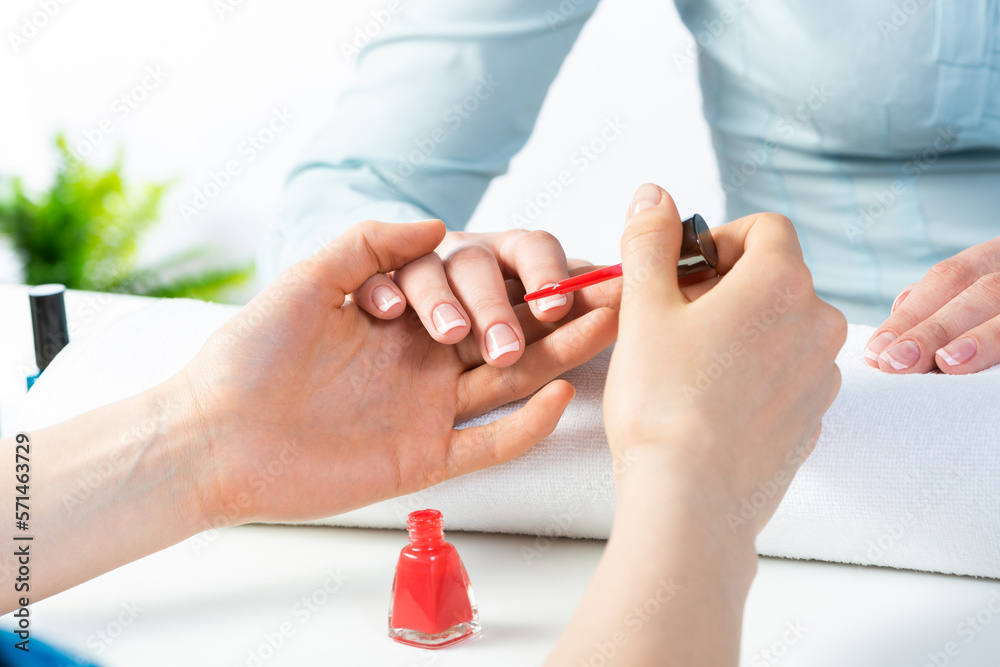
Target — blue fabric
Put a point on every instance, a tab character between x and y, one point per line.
39	655
874	126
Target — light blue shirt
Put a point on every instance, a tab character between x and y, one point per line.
874	126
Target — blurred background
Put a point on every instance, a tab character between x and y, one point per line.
153	100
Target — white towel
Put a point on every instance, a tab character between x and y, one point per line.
906	474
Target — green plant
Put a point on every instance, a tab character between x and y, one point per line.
84	232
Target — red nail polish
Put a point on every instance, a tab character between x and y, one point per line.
432	602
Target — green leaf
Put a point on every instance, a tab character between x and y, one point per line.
85	232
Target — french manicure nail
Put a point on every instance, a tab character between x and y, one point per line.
902	355
550	302
501	339
385	298
958	351
878	344
647	196
446	317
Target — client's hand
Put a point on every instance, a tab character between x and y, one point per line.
353	409
950	320
467	285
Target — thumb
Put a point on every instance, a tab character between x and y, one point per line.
651	248
368	248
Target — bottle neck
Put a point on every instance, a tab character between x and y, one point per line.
426	528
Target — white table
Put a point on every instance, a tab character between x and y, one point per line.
225	598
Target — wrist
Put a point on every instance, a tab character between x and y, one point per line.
680	502
191	431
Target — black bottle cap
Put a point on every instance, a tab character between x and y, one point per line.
48	319
698	251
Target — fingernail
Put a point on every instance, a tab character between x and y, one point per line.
385	298
550	302
899	300
647	196
879	343
958	351
501	339
446	317
902	355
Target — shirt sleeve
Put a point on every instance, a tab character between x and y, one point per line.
444	95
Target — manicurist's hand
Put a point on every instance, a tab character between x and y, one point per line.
950	320
366	406
464	287
714	396
733	382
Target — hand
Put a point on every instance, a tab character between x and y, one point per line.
311	408
736	381
950	320
466	285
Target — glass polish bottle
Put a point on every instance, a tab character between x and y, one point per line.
432	601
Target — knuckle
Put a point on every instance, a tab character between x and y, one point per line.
954	270
777	219
934	330
489	306
988	288
468	255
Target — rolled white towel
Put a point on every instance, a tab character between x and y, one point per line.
906	473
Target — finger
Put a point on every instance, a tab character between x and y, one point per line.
484	387
942	283
380	297
915	350
601	295
973	351
507	438
343	265
426	287
475	278
902	295
760	233
538	260
650	250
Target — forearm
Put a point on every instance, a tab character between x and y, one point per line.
106	488
672	583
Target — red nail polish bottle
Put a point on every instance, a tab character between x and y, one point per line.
432	602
